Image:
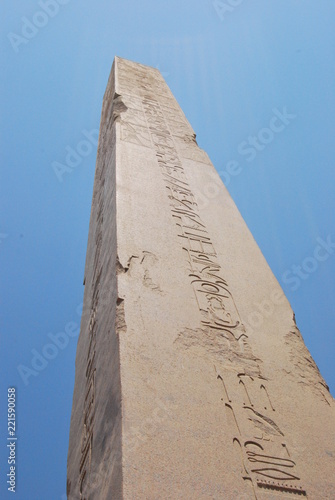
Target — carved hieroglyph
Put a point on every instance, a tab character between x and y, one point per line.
176	395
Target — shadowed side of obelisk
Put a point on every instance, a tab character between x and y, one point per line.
94	457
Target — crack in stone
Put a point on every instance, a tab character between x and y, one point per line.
120	321
118	107
306	368
124	269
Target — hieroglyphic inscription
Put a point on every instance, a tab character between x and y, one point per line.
90	375
265	460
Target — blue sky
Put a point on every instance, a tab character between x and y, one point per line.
232	68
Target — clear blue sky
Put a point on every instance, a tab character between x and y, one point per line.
229	69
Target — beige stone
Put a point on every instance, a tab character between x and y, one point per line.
183	388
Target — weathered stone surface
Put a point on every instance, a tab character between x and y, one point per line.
183	389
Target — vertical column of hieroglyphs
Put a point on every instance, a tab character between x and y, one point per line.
155	120
90	375
97	300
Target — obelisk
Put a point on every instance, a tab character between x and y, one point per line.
181	391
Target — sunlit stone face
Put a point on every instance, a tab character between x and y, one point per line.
181	390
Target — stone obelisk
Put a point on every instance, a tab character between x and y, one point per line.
182	391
